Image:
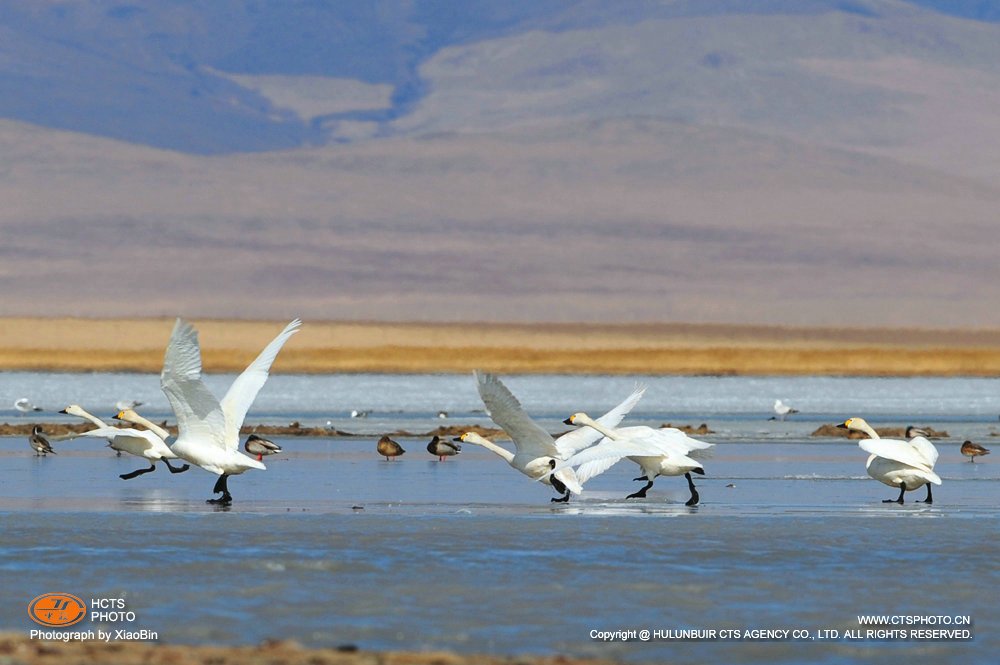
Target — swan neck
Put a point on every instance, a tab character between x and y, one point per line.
593	424
502	452
92	418
151	426
867	429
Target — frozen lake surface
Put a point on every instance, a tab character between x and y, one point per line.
334	545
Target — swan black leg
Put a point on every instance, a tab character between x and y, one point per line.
641	494
693	501
139	472
221	485
929	498
561	488
899	499
175	469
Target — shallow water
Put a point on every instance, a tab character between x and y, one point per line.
334	545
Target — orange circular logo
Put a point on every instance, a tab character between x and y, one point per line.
57	609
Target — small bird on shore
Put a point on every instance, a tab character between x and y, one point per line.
973	450
24	406
259	446
389	449
443	449
39	443
782	409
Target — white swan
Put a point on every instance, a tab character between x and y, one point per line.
129	440
658	452
126	404
783	409
903	464
209	429
537	451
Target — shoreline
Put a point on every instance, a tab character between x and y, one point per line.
137	345
18	649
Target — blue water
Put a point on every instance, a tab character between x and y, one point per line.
333	545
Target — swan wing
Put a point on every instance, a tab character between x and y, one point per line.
583	437
681	439
600	457
129	438
586	471
670	440
244	389
925	449
897	451
197	410
529	437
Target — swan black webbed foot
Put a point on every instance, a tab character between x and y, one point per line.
221	485
929	498
138	472
899	499
175	469
641	494
693	501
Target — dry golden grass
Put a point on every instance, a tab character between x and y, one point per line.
20	650
138	344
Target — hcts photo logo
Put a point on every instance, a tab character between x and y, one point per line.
57	610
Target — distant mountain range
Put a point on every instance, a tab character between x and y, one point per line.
216	76
811	162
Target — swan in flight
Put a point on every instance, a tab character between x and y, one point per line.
973	450
443	449
39	443
259	446
658	452
140	443
903	464
389	449
537	451
126	404
209	429
24	406
782	409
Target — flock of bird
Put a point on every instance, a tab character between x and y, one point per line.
209	429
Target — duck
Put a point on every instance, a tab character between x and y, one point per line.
141	443
24	405
39	443
907	465
537	451
973	450
389	449
443	449
658	452
259	446
209	428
